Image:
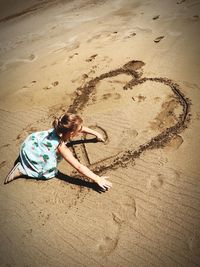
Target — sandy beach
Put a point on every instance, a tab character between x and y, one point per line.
131	70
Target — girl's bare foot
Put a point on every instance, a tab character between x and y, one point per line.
13	174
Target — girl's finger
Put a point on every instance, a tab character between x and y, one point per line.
103	187
108	185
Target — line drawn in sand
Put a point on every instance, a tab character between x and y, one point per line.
79	146
124	158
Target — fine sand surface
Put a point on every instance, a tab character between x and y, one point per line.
131	70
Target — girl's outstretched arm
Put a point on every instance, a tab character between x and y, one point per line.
93	132
68	156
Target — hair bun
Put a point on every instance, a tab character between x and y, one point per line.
66	123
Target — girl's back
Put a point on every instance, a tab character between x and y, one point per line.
39	154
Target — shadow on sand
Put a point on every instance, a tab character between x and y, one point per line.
70	179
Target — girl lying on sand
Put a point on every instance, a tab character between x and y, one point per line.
41	151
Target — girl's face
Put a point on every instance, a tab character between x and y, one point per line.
73	134
78	131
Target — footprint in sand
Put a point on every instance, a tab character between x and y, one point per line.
158	39
91	58
127	210
32	83
115	96
127	133
130	35
109	242
134	65
107	245
72	56
31	57
53	84
167	116
141	98
156	17
156	181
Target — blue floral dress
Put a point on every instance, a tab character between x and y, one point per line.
38	154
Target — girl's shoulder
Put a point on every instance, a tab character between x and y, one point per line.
49	135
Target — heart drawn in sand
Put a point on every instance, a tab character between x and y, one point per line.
133	69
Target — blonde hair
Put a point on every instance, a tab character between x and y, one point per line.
67	123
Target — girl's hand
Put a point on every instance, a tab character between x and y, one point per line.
95	133
100	137
103	183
